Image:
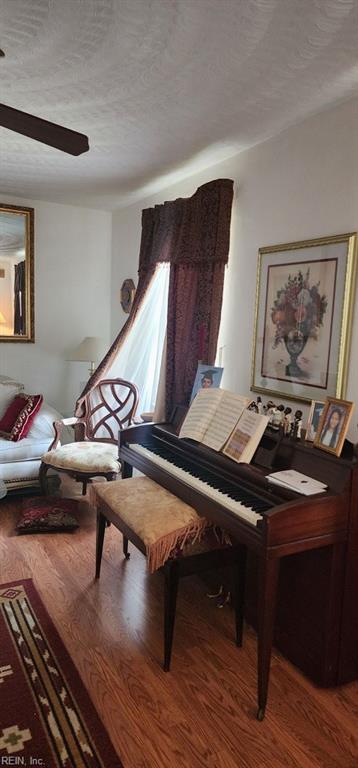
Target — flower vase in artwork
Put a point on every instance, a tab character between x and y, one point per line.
297	314
295	343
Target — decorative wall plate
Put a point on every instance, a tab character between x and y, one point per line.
127	294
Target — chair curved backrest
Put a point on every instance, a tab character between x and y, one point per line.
109	407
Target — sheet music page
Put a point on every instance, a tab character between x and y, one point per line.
200	414
246	436
224	420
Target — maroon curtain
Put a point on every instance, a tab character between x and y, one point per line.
194	310
193	234
200	252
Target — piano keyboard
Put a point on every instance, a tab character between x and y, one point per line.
243	503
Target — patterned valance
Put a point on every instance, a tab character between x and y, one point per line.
188	230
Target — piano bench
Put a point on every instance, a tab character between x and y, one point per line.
173	537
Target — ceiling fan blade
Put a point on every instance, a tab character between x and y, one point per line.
42	130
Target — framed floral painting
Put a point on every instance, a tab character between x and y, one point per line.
304	306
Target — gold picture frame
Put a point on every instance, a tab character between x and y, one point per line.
17	322
333	425
303	317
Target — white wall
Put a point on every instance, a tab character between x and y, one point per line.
72	289
301	184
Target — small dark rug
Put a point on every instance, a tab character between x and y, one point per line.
48	514
46	716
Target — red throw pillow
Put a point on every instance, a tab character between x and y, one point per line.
19	415
7	421
26	417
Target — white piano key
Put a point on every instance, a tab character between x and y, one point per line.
246	513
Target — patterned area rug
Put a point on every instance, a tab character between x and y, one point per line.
46	716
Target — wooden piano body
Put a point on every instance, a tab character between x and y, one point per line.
302	568
316	623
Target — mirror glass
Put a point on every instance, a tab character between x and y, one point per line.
16	273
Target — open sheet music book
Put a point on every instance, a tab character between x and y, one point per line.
246	436
220	419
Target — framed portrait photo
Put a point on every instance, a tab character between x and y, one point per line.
207	377
333	425
314	416
304	307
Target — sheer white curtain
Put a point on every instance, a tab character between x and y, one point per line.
139	359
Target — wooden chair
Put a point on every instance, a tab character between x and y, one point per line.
148	515
108	408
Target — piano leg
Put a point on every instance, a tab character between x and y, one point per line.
267	592
127	470
239	575
171	574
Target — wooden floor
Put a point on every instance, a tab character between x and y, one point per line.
202	713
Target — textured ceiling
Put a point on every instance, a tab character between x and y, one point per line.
153	83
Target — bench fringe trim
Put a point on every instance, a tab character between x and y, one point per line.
159	552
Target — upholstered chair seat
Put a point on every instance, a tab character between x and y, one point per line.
84	457
107	408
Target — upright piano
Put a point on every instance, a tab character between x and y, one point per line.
302	572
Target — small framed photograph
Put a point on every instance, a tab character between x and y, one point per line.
207	376
333	425
314	416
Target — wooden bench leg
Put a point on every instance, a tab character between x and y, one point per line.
101	527
125	548
239	576
171	573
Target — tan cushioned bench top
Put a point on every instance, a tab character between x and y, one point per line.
159	519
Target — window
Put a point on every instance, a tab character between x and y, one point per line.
139	359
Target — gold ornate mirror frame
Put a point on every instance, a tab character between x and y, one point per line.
16	273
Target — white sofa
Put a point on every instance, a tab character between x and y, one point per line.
20	461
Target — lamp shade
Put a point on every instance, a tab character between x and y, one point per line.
2	319
90	350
